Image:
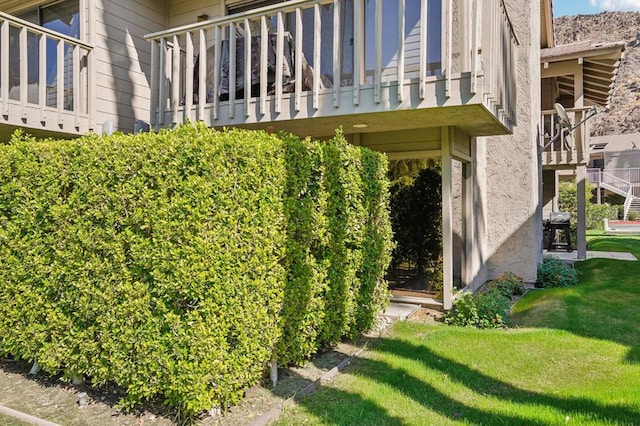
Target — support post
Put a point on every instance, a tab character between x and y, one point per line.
581	173
447	219
467	224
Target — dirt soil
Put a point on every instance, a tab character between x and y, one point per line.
51	399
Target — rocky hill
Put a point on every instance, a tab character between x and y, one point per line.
624	116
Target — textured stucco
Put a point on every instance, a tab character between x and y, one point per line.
511	186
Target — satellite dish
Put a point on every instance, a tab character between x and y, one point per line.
563	118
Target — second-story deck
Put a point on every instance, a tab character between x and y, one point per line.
44	81
570	149
369	66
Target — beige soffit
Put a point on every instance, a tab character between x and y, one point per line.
18	6
600	62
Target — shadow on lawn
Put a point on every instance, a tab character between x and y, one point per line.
615	243
335	405
604	303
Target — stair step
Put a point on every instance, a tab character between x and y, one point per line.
422	301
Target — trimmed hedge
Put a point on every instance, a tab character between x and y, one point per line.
179	263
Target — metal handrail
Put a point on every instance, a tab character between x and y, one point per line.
614	181
558	144
632	174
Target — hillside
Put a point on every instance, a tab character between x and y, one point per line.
624	116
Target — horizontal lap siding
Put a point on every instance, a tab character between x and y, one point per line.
123	59
182	12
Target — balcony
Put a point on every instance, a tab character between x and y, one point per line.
44	81
570	150
368	65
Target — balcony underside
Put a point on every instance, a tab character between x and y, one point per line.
568	149
461	109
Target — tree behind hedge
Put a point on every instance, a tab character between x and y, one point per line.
179	263
417	218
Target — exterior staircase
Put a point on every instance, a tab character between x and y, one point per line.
616	185
634	206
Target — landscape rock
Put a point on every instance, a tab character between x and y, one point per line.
624	116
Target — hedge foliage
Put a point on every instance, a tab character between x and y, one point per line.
179	263
595	213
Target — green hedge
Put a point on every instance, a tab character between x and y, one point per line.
597	212
179	263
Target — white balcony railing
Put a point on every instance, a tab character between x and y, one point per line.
314	58
571	148
631	175
620	181
44	78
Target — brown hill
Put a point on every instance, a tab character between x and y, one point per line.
624	116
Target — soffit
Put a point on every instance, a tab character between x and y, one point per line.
17	6
599	61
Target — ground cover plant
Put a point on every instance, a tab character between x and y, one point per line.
489	307
572	357
554	272
179	264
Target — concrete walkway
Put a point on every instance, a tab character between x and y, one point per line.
621	227
573	256
400	311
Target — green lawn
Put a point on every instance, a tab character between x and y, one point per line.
572	357
9	421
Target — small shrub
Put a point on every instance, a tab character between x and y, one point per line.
632	215
597	212
508	284
555	273
483	310
614	199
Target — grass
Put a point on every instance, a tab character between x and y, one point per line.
10	421
572	357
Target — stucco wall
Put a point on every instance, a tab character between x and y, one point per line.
513	219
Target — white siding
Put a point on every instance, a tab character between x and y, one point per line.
123	59
182	12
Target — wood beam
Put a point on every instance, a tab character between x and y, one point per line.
557	69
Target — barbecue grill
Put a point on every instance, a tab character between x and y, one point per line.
559	221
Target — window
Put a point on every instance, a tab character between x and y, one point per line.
62	17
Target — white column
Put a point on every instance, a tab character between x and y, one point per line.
447	218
